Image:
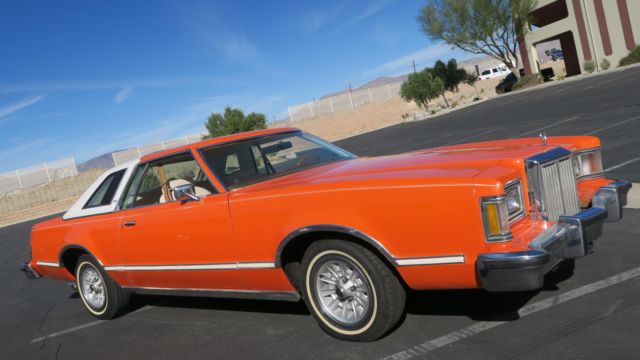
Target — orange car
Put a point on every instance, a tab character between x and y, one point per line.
280	214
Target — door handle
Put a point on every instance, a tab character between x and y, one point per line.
129	223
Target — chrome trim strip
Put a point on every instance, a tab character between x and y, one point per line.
432	260
47	263
220	266
319	228
220	293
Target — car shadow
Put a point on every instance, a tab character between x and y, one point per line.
481	305
478	305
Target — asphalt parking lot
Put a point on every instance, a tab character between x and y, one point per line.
591	311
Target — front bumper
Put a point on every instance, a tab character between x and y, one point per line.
29	271
572	237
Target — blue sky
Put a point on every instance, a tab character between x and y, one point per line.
81	78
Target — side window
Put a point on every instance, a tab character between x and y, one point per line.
486	72
157	183
105	192
130	197
495	70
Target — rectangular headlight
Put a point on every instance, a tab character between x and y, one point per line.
495	215
588	163
515	205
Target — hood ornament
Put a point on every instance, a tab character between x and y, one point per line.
543	138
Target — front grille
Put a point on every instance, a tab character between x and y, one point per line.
552	184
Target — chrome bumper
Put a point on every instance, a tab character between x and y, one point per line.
613	198
29	271
572	237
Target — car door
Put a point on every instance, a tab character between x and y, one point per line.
170	244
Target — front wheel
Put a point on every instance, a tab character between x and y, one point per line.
350	291
101	296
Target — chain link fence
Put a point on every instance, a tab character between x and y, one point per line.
343	102
37	175
123	156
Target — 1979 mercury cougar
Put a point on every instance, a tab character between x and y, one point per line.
280	214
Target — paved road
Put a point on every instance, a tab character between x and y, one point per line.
592	314
606	106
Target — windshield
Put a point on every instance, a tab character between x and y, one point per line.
250	161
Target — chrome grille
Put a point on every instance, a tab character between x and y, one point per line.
552	184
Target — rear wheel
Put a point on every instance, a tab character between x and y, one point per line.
350	291
101	296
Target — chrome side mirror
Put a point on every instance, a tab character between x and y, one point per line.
185	193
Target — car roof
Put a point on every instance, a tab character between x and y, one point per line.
217	140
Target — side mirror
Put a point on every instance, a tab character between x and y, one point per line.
185	193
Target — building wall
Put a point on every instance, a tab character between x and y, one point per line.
589	34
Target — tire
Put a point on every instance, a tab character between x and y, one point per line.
101	296
367	307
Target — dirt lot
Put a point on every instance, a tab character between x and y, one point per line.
379	115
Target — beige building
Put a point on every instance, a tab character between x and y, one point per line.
587	30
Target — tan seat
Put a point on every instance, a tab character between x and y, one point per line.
200	191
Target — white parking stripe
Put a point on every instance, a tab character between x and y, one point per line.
84	326
546	127
613	125
622	164
479	327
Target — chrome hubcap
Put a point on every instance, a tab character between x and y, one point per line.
342	291
92	287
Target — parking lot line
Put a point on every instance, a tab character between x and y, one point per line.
623	164
84	326
546	127
479	327
612	125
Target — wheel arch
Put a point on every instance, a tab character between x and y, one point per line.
70	254
292	248
306	235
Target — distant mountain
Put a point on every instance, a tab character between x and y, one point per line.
104	161
381	81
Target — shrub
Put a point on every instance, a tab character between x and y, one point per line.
632	58
527	81
605	64
455	104
589	66
560	77
233	121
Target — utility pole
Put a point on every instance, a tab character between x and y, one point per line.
414	66
350	97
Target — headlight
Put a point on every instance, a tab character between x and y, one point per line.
513	194
495	214
587	163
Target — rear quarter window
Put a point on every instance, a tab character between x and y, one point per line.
105	192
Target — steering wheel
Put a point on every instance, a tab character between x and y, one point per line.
304	158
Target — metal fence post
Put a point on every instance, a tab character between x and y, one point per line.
19	181
75	168
289	111
351	100
331	103
370	98
46	170
138	149
311	109
389	91
113	155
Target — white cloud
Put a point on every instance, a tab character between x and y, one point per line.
320	19
404	64
124	94
24	103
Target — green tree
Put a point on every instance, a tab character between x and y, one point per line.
421	87
450	75
233	121
489	27
471	78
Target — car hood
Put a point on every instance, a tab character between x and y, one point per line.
460	164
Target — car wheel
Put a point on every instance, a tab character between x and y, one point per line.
350	291
101	296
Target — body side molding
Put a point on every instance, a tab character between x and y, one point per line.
292	296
